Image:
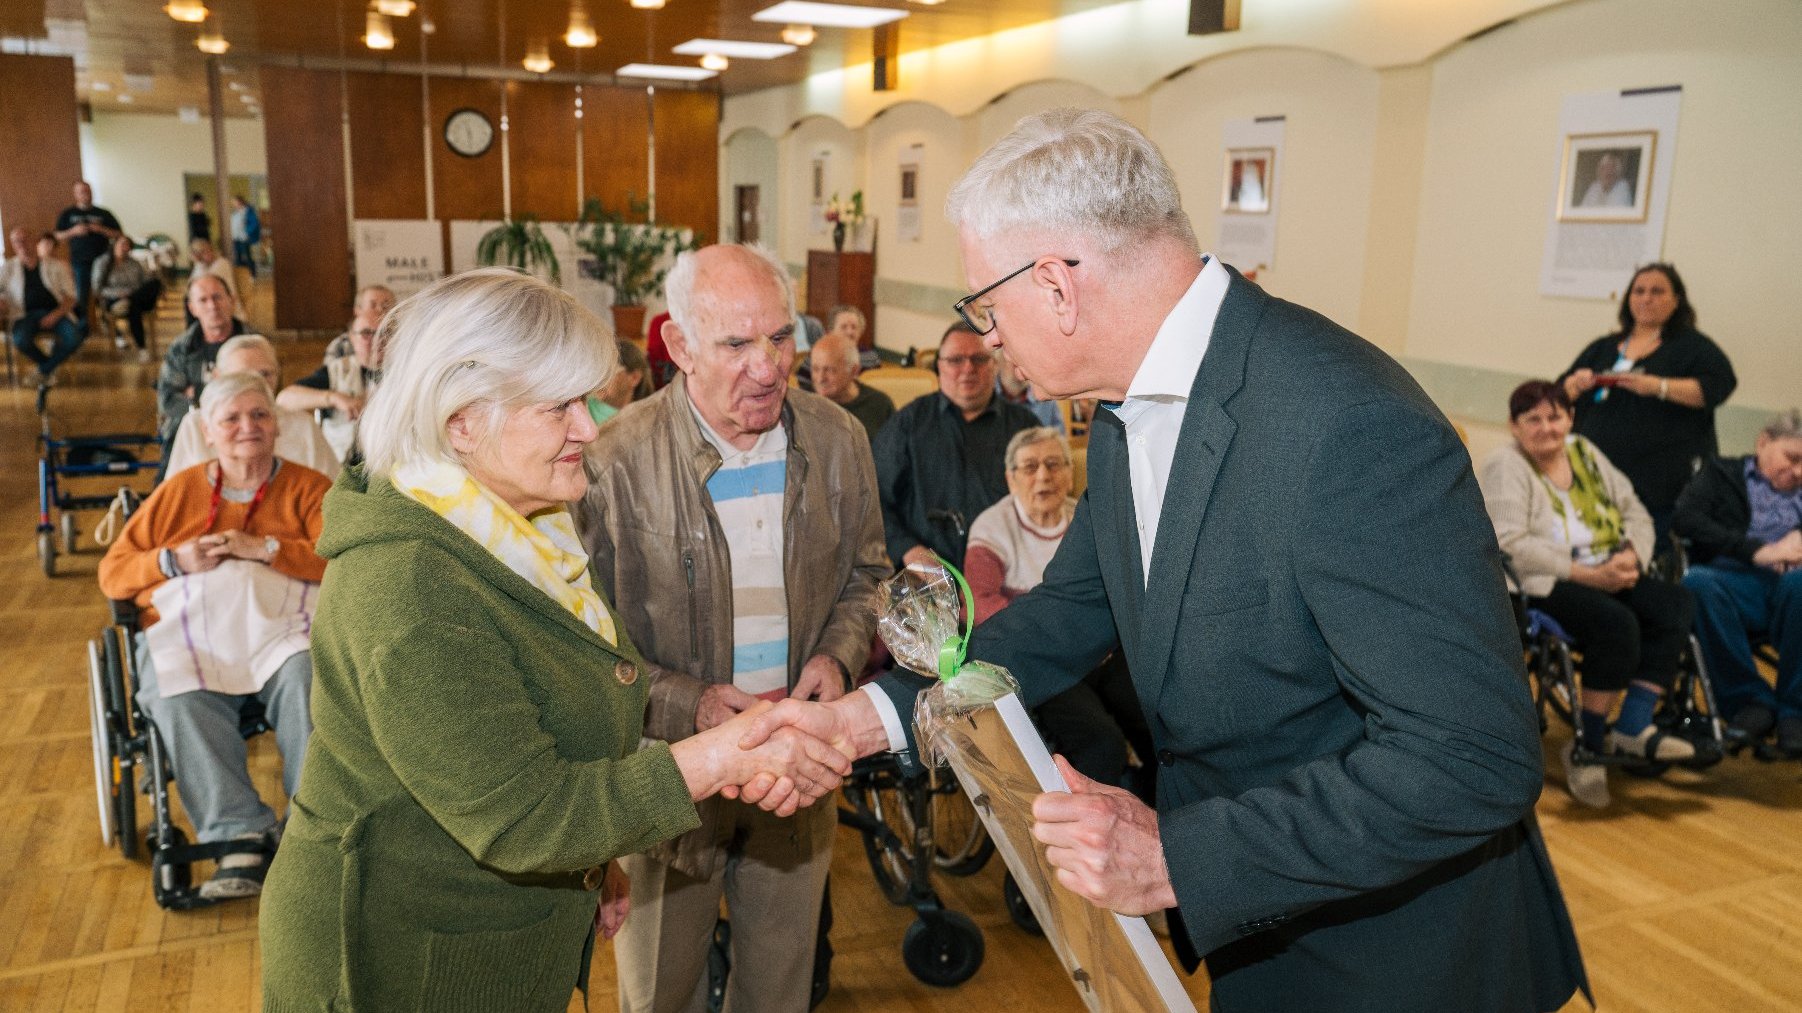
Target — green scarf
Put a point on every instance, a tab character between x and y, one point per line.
1595	510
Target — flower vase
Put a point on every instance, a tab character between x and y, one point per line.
838	237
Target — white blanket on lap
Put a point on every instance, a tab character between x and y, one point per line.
227	630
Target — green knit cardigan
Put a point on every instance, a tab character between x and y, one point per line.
476	750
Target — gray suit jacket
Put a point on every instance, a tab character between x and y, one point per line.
1327	659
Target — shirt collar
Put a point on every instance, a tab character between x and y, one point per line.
1167	373
768	442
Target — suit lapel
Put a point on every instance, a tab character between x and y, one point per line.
1200	449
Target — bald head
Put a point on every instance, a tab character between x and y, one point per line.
835	367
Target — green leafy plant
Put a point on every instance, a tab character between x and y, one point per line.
629	249
519	243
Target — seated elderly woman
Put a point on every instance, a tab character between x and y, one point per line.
128	289
1010	545
477	760
298	437
1743	519
226	547
1580	539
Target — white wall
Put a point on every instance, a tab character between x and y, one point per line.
752	158
1323	179
1735	223
931	260
135	162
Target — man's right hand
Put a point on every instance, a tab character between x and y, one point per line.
719	704
1782	554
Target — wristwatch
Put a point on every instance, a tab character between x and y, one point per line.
271	546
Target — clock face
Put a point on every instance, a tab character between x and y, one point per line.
468	132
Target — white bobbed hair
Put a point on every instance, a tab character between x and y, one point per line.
221	389
493	339
1072	170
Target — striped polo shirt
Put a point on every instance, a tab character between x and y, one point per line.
747	493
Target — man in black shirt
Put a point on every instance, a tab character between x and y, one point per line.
941	460
836	366
89	231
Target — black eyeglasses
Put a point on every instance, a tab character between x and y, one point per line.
979	318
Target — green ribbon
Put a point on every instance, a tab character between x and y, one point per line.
951	652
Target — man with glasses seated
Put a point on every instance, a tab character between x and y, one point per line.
940	460
342	384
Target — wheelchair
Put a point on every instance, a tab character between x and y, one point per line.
1672	565
130	759
1688	711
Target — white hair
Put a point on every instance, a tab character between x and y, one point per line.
492	337
1031	437
679	287
221	389
848	355
1785	425
1072	170
256	342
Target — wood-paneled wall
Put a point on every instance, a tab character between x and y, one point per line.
304	133
39	125
388	178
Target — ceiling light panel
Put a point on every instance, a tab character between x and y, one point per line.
192	12
735	50
827	15
663	72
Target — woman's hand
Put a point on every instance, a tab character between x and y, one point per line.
616	902
198	555
1610	577
1643	384
1579	383
352	407
803	768
235	544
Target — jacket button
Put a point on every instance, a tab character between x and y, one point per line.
591	879
626	673
1166	758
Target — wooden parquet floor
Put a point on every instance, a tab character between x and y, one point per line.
1687	894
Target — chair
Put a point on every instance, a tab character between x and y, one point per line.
902	384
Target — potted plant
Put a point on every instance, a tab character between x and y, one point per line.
519	243
842	214
631	255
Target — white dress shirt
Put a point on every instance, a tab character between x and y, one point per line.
1156	401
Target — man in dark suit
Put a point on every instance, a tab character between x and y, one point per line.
1283	535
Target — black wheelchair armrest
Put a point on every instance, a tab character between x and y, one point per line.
125	612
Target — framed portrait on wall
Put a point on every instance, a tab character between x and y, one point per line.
1249	181
1606	177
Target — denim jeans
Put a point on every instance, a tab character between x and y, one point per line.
1735	602
68	339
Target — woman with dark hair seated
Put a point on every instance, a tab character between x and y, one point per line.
1577	536
1743	519
1645	395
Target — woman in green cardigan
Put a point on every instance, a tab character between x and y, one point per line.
476	762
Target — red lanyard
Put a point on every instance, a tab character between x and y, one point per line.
212	513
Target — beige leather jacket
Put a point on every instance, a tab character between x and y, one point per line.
657	549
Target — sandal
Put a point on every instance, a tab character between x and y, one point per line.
1652	744
242	866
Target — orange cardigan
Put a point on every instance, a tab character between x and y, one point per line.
176	512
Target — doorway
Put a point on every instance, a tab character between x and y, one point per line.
745	213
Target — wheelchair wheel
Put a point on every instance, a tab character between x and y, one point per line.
960	843
1017	908
1557	680
69	532
101	740
47	552
891	855
942	948
116	687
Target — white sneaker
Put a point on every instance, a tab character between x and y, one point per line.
1669	747
1587	782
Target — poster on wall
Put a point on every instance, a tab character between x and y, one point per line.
907	217
1613	185
579	274
1250	170
816	201
404	254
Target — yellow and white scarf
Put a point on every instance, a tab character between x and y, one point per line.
543	550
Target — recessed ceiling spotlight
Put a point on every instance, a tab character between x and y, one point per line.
648	5
736	50
581	31
191	12
928	3
538	59
212	42
827	15
99	86
664	72
127	98
799	35
376	32
248	99
395	8
715	62
237	86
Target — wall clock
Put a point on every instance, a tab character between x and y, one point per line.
469	132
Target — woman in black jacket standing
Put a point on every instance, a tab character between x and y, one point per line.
1646	394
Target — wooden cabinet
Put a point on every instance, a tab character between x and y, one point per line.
842	279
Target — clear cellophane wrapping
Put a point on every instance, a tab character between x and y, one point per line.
974	722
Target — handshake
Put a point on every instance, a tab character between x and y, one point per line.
780	756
